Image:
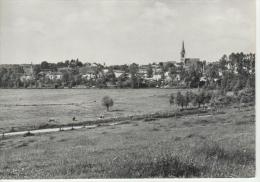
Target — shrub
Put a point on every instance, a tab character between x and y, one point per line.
28	134
107	102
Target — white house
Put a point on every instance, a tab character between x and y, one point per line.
118	73
54	76
26	78
88	76
157	77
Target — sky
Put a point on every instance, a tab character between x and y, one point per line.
124	31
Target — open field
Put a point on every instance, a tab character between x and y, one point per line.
23	108
221	145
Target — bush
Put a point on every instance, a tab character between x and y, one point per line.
247	95
107	102
28	134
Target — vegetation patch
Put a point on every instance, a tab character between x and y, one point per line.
28	134
243	122
155	129
160	166
149	119
212	150
187	123
203	121
22	145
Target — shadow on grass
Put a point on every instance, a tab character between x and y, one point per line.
116	110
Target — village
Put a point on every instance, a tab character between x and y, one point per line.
185	73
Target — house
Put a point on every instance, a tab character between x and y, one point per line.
88	76
64	69
157	77
203	79
87	72
54	75
24	78
118	73
191	62
28	69
105	71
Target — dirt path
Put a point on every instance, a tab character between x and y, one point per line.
49	130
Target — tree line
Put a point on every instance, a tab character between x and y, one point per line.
230	73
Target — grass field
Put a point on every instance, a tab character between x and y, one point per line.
221	145
23	108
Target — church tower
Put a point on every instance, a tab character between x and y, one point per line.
183	53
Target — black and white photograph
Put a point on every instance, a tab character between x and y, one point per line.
128	89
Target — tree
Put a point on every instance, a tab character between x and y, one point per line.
107	102
44	65
172	99
237	86
110	75
179	100
207	98
195	99
36	70
223	62
173	72
201	98
150	71
133	72
187	99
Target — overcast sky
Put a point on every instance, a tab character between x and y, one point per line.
125	31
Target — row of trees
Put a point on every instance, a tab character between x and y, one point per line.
10	77
196	99
203	97
216	99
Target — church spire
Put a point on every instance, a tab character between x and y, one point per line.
182	52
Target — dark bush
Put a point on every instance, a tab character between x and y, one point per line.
28	134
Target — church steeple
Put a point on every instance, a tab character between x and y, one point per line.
182	52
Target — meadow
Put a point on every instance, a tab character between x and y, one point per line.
28	108
220	144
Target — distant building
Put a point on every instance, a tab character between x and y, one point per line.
28	73
28	69
54	75
157	77
63	69
118	73
188	61
183	53
191	61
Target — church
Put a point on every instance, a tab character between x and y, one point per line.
187	62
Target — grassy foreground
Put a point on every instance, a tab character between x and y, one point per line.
210	146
